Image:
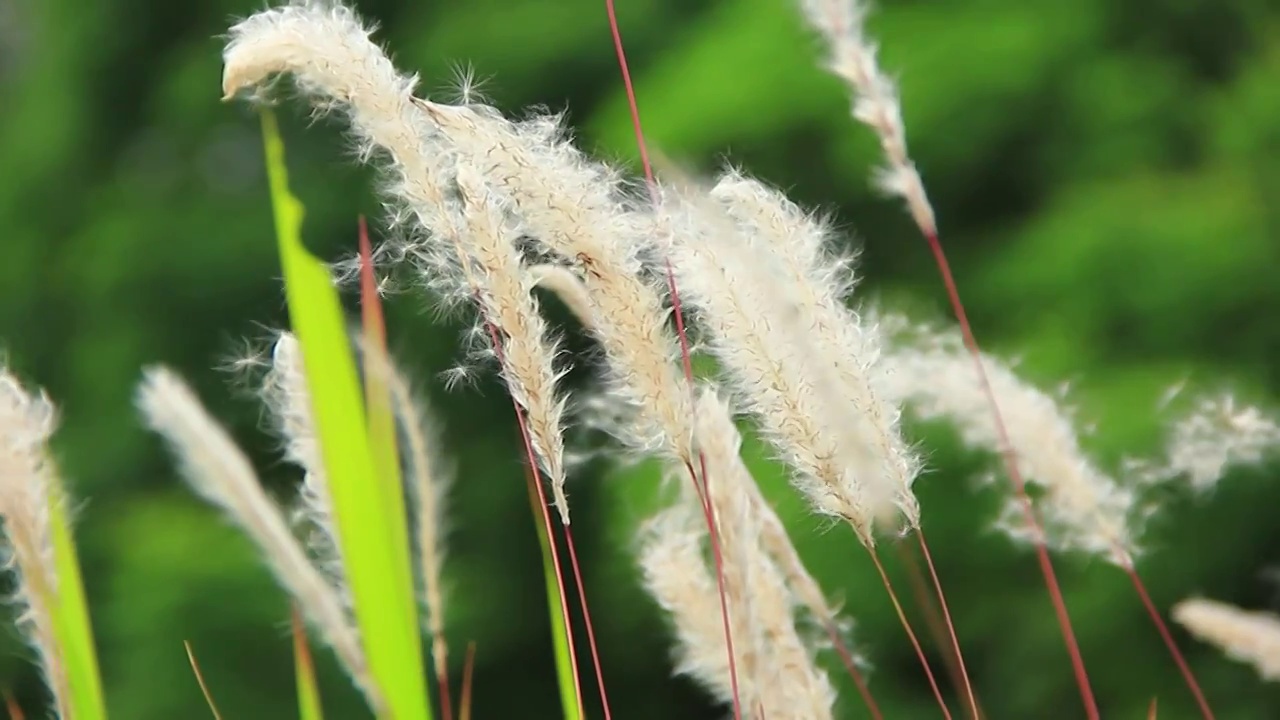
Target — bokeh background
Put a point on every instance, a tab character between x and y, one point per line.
1105	173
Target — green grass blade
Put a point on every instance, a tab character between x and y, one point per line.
305	671
382	424
369	526
71	622
559	633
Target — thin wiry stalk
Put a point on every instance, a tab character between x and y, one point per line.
218	470
934	619
1167	637
911	635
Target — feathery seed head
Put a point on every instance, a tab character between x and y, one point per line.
28	484
1249	637
218	471
852	58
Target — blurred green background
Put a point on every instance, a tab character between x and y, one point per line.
1104	172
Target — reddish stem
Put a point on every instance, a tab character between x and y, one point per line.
375	334
1015	475
1165	635
531	468
852	667
468	672
906	625
932	615
685	354
717	555
951	628
446	703
586	614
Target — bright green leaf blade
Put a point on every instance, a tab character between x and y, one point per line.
382	427
71	620
305	671
559	633
377	570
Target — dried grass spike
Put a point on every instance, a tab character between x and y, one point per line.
218	471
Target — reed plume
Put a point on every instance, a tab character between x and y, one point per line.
815	281
218	471
1083	507
1218	432
1250	637
779	674
28	484
579	211
852	58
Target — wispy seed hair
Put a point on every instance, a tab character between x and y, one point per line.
1083	508
579	211
777	671
287	398
761	345
1218	432
28	484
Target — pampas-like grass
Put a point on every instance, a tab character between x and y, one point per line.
466	243
578	210
852	58
1249	637
814	281
1083	508
778	672
28	483
218	471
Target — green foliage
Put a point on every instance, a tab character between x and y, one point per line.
1106	176
368	507
71	623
